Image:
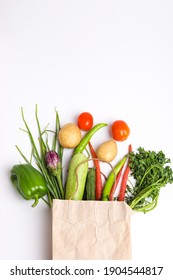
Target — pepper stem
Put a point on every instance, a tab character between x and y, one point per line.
36	201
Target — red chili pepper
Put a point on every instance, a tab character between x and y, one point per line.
121	196
99	184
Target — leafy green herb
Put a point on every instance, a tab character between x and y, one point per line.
150	171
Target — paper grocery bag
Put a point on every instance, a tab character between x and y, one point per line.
91	230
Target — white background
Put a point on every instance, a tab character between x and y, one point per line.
112	58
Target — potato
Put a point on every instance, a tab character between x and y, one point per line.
107	151
69	135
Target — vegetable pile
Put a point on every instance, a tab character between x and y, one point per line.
42	176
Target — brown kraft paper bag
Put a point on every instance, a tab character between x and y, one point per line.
91	230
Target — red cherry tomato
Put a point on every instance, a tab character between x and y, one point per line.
85	121
120	130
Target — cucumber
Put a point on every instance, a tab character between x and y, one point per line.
90	184
76	177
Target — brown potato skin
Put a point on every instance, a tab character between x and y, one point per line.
69	135
107	151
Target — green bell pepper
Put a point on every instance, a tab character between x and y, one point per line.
29	182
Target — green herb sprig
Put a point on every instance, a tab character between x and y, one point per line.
151	171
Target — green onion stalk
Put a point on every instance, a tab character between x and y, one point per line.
43	156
